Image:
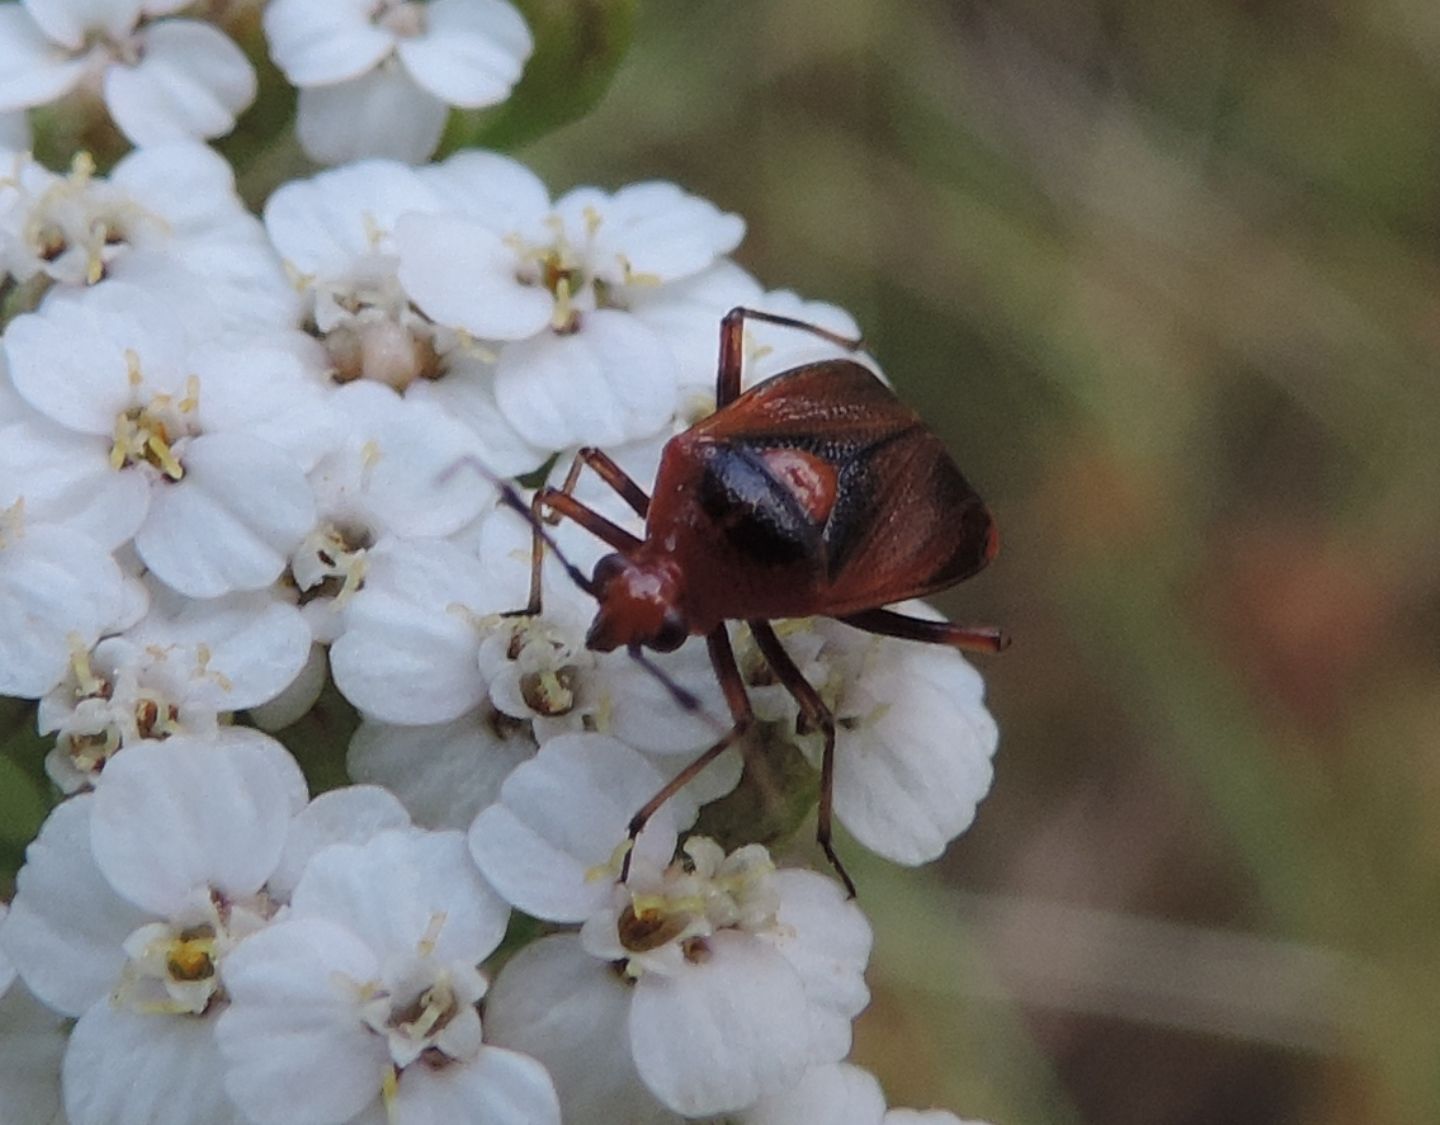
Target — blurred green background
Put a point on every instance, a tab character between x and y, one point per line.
1165	277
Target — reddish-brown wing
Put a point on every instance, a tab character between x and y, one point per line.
905	522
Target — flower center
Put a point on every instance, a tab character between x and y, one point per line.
331	562
149	434
79	224
173	967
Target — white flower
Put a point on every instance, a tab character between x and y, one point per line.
365	995
742	977
334	232
166	216
405	468
551	843
377	79
412	633
128	905
59	592
162	79
175	672
555	281
212	443
913	739
443	773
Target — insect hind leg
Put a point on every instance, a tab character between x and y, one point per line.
722	659
968	638
819	716
732	347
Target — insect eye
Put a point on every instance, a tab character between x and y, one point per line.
607	568
672	633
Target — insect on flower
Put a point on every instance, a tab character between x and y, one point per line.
816	492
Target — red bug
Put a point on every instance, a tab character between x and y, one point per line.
816	492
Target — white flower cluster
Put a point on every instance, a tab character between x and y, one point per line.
376	77
243	458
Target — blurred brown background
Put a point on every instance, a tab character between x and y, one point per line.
1165	277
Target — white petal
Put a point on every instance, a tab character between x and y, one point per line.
128	1068
826	937
255	644
32	72
231	522
646	716
467	394
390	891
267	391
610	382
32	1043
837	1094
324	224
418	477
687	315
925	1117
491	188
299	983
350	815
294	701
461	274
188	183
317	44
56	586
66	924
191	82
497	1087
66	478
68	21
907	782
382	113
68	361
443	774
471	53
561	816
723	1033
657	229
409	650
555	1002
187	813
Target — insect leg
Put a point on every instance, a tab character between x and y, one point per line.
969	638
732	351
722	658
608	471
563	505
813	708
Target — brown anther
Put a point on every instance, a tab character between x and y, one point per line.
650	929
697	950
549	693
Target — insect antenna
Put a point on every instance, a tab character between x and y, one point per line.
687	700
511	498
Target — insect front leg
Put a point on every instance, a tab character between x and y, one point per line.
612	474
722	659
732	347
562	505
819	716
